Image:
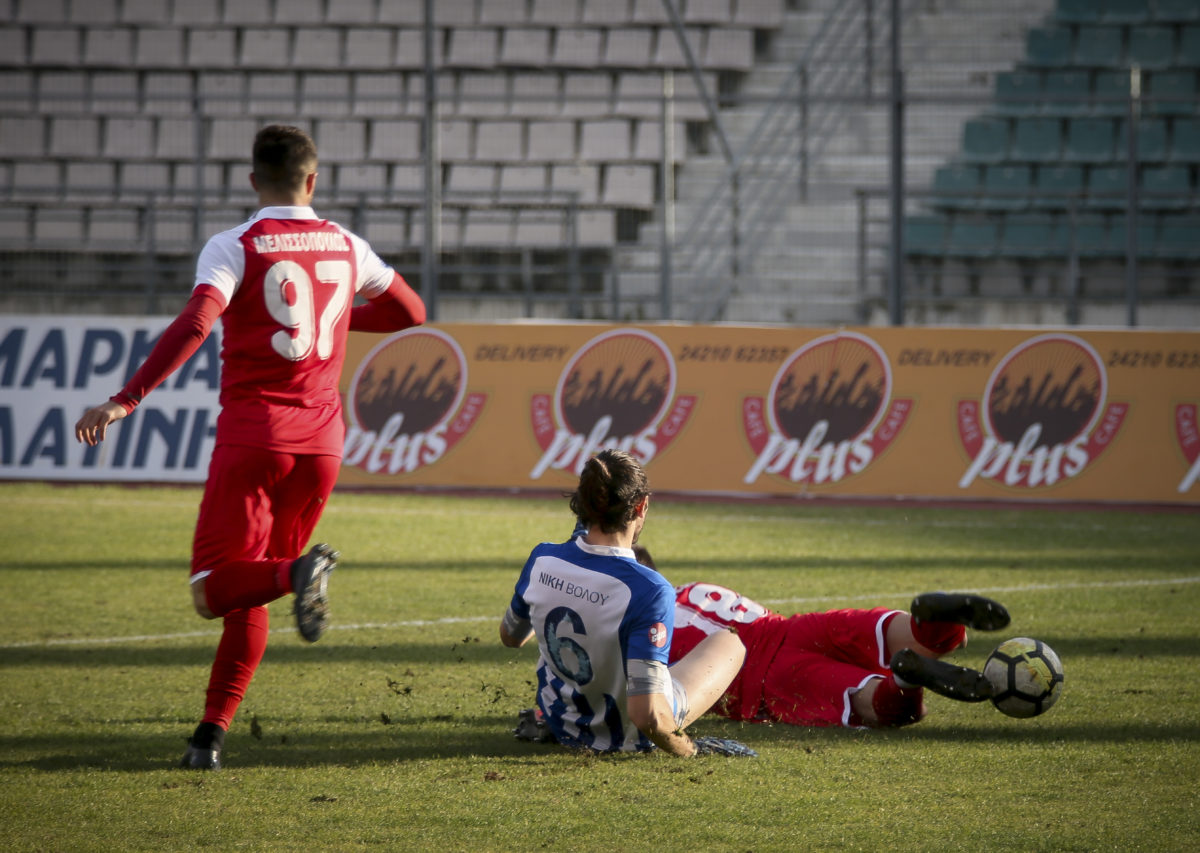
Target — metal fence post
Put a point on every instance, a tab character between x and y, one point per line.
1131	199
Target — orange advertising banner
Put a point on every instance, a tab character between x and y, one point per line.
1010	414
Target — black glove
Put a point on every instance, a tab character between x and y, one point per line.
722	746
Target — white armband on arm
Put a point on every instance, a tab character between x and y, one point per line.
515	626
647	676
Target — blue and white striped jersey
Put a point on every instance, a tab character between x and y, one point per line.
593	608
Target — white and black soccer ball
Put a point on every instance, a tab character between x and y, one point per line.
1026	677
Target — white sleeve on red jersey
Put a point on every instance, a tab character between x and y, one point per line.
222	261
374	276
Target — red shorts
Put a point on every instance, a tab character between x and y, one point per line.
260	505
824	658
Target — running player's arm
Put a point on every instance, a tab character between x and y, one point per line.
514	631
175	346
398	307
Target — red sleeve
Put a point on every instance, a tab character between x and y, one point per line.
396	308
176	345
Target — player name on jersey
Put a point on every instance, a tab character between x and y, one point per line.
301	241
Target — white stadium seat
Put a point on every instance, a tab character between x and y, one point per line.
292	12
128	137
108	46
604	140
629	186
500	141
158	47
74	137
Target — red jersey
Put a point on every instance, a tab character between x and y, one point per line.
704	608
289	280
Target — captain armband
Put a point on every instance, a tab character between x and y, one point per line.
646	677
515	626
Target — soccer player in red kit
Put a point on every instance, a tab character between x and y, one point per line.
855	668
283	284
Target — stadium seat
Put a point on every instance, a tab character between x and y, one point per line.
554	13
1018	92
1037	140
365	178
405	13
1034	237
377	94
115	228
1188	55
17	90
128	138
1089	140
973	238
708	11
626	48
499	141
586	93
1048	47
577	48
540	228
1151	140
1057	186
341	140
247	12
1110	93
1117	235
345	12
272	92
535	95
614	14
1107	187
1185	140
1077	11
317	47
1099	47
576	178
729	49
454	13
648	141
372	48
523	179
985	140
1067	92
1091	237
471	178
1006	187
502	12
525	46
393	140
482	94
105	46
35	179
668	53
605	140
456	137
1172	92
1176	239
58	46
1152	47
552	141
1176	11
629	186
1166	188
956	186
472	48
1125	11
763	14
924	236
74	137
59	225
326	94
261	48
645	11
62	92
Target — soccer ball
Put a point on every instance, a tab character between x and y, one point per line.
1026	675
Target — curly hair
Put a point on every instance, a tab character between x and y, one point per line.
611	486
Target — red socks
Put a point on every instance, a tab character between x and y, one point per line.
238	654
895	705
247	583
939	637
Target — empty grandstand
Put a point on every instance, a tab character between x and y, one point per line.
628	159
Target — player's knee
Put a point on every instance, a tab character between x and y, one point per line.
200	601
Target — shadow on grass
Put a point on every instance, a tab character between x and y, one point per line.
476	649
1106	560
446	738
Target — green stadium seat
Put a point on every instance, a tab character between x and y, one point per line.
1117	236
1107	188
1176	239
1006	187
1166	188
1185	140
1067	92
1048	47
1034	236
1091	237
1077	12
1176	11
1188	55
1018	92
956	186
1089	140
924	236
1037	140
1125	11
1152	47
985	140
973	238
1172	92
1151	140
1057	186
1110	93
1099	47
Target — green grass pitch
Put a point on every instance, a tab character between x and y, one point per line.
392	733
